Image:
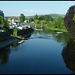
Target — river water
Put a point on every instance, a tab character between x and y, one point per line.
44	52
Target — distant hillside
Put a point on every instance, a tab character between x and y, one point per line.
56	15
52	15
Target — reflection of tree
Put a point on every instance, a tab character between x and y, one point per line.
14	45
35	31
68	54
4	55
64	38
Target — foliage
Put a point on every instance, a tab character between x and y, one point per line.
48	18
59	23
48	22
22	18
36	21
31	19
41	17
15	32
35	17
42	22
1	21
4	23
74	17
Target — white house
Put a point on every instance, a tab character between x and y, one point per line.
26	21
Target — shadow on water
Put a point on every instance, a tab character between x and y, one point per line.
4	55
4	52
64	37
68	55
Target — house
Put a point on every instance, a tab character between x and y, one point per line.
26	21
14	21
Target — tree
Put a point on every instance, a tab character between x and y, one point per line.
31	19
1	21
41	17
43	22
36	21
48	18
22	18
5	25
59	22
35	17
74	17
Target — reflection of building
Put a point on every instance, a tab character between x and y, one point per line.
68	54
1	13
14	21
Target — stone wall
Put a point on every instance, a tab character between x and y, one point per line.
4	36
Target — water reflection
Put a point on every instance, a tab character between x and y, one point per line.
31	56
4	52
68	54
4	55
64	38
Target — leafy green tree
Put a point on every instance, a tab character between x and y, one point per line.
48	18
22	18
36	21
59	22
31	19
1	21
74	17
35	17
41	17
51	24
5	25
43	22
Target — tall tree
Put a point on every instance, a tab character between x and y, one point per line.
1	21
31	19
59	22
41	17
48	18
5	25
35	17
43	22
22	18
36	21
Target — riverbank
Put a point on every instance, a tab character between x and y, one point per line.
48	27
16	39
62	30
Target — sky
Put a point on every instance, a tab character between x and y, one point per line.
30	8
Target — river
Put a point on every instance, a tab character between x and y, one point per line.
44	52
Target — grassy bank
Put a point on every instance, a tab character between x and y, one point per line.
52	28
48	27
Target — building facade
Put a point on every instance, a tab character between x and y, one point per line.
14	21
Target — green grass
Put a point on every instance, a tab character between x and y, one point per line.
63	30
15	36
47	27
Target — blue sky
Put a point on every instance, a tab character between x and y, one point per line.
30	8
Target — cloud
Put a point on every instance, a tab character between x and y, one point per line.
31	11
